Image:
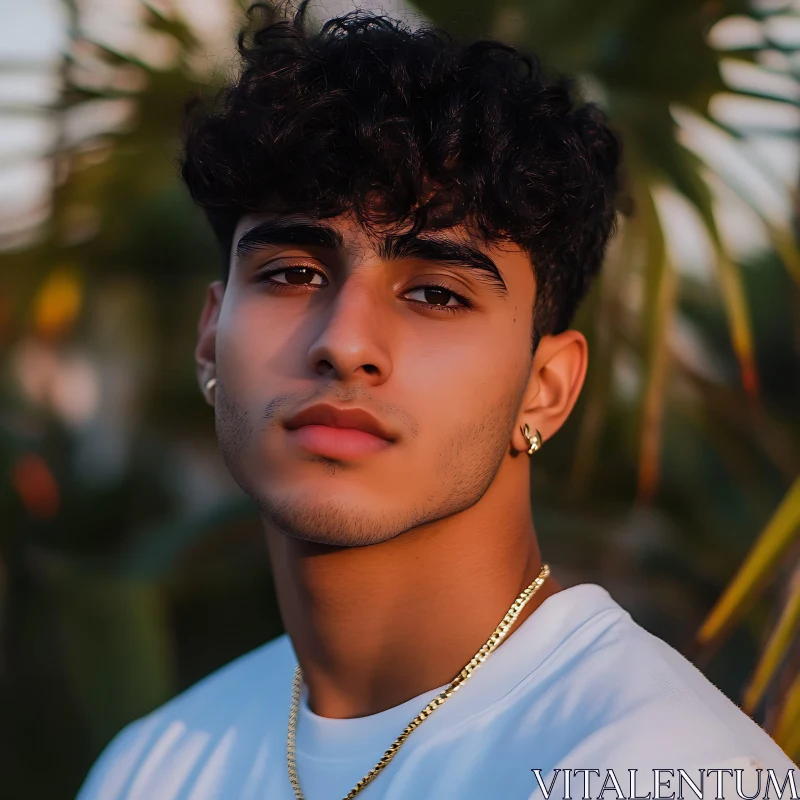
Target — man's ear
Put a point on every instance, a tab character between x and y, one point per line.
205	351
557	374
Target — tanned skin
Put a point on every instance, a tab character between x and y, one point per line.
391	569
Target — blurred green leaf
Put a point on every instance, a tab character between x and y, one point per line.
776	538
777	646
117	649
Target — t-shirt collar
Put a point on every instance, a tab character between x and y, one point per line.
518	657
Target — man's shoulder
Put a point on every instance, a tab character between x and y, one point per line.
250	678
646	697
247	694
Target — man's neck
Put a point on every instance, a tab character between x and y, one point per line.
376	626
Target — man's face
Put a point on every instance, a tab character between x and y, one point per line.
425	338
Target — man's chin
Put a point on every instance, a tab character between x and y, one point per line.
331	523
334	540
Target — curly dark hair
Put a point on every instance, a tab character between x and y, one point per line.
410	128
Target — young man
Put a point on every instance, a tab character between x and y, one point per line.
409	225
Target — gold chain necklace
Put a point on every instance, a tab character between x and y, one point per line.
463	676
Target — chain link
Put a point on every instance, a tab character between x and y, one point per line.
486	650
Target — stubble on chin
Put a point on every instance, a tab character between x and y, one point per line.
463	467
462	470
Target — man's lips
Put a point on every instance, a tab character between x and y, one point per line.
345	418
341	443
332	432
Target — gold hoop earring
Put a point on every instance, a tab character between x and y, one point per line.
535	441
210	384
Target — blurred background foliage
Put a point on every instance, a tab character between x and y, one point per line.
131	565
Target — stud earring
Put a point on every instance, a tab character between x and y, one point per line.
210	384
535	441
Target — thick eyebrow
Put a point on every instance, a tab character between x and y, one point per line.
278	232
444	251
393	248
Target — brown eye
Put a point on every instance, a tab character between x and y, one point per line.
438	296
298	276
293	276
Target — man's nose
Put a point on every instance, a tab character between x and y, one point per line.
353	337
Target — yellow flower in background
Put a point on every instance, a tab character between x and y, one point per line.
58	302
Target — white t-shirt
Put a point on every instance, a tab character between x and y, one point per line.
578	686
